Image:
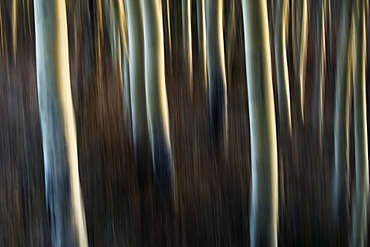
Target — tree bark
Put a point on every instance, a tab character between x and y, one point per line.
281	24
156	100
264	196
62	184
359	208
137	85
186	30
217	89
201	16
341	118
318	103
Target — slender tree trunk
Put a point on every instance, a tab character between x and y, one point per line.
137	86
188	53
359	209
99	39
318	103
167	25
281	24
156	100
201	16
341	118
14	28
301	51
217	90
230	42
264	197
62	184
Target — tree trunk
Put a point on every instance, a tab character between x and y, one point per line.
201	16
341	118
139	120
217	90
359	208
318	103
264	196
230	42
188	53
281	24
156	100
14	28
62	184
300	61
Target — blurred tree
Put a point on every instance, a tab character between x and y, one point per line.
62	183
201	20
217	90
156	100
341	118
137	81
360	204
188	51
318	102
281	26
264	196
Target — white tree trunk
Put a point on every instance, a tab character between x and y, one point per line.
137	86
341	117
156	98
264	197
217	89
62	183
359	208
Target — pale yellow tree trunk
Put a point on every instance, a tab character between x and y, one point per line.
14	28
281	25
156	99
202	48
360	205
217	89
264	196
62	183
188	50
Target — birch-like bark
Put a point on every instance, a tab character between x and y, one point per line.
137	86
14	28
264	196
202	47
318	103
188	52
281	25
167	25
217	89
301	32
341	117
230	42
360	205
156	99
62	183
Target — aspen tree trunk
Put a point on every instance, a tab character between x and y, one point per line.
186	30
318	104
359	208
156	100
230	42
137	86
202	47
264	196
62	183
217	90
167	25
281	25
341	118
300	61
14	28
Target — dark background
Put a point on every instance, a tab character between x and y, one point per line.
213	188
